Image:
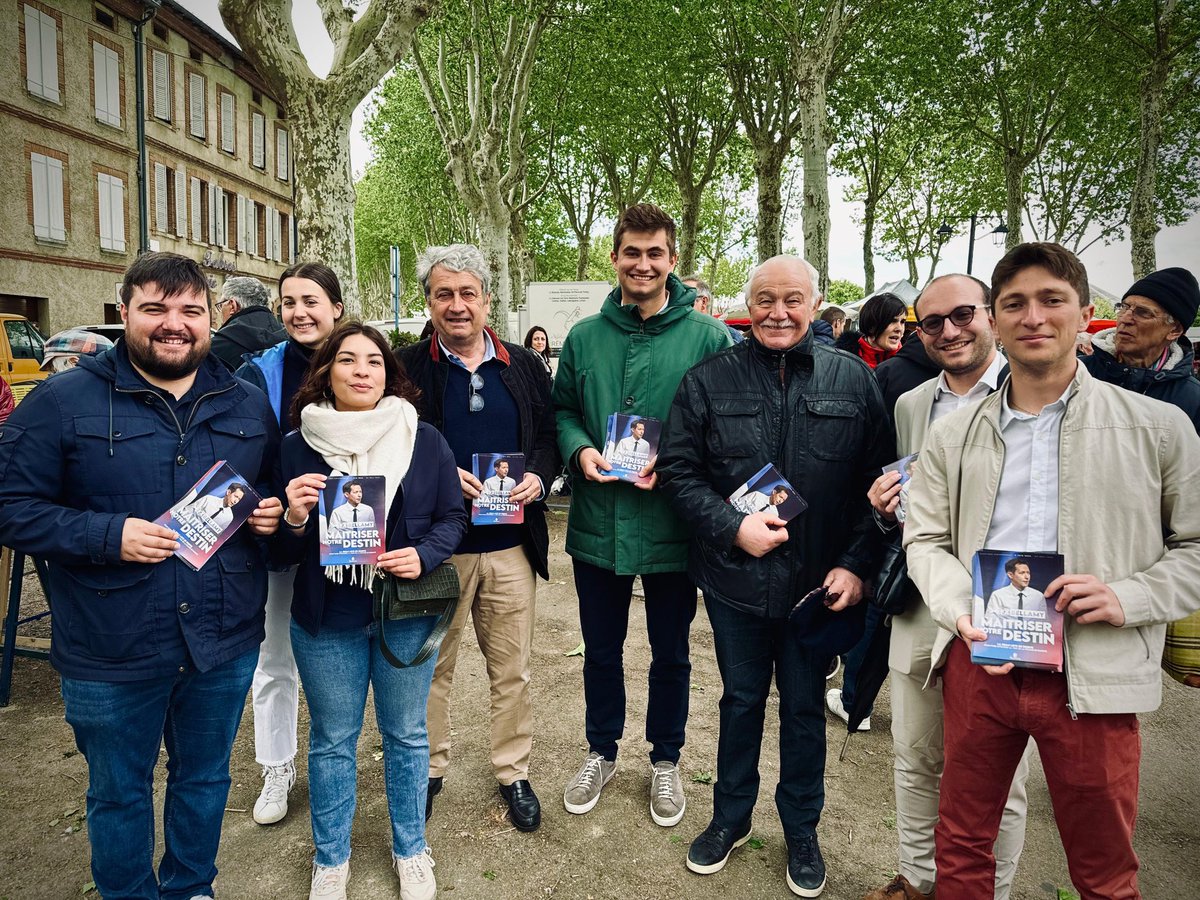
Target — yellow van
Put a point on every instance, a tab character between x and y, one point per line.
20	350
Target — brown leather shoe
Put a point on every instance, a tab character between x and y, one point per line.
899	888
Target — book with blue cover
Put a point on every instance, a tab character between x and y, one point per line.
352	517
207	516
1010	604
499	473
765	489
631	444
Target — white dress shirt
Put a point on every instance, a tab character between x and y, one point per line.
349	518
1009	597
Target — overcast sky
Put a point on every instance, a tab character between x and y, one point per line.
1108	267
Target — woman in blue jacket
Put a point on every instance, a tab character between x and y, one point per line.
311	298
357	418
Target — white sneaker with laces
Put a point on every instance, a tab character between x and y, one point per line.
272	803
833	699
329	882
416	876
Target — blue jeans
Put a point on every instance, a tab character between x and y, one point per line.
118	728
749	650
604	599
336	667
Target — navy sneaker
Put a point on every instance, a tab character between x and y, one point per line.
710	851
806	868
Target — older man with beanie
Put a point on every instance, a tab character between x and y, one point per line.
1147	352
248	325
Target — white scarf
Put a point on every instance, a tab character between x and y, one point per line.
377	441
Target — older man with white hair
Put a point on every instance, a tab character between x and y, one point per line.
247	323
779	398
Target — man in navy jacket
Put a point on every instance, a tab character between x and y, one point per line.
149	650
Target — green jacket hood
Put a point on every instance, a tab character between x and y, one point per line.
625	316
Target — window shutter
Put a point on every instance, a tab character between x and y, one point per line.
54	172
41	54
222	220
117	205
108	87
105	203
160	197
281	155
112	76
196	235
227	133
196	90
212	214
41	196
49	57
162	85
181	215
258	140
269	250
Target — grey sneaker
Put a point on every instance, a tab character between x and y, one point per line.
584	789
667	802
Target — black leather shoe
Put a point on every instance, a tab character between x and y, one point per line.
710	850
523	805
435	788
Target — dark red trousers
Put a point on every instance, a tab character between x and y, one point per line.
1091	765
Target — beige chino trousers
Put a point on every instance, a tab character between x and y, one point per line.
497	592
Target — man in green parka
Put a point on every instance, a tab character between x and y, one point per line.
629	358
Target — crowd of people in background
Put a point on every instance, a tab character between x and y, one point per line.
1010	424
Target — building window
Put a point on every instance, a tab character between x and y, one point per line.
281	154
47	179
160	80
105	17
247	216
181	199
106	73
228	123
110	193
197	106
41	54
160	32
285	238
258	140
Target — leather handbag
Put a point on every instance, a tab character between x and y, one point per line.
433	594
893	588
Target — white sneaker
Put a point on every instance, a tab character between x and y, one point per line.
272	804
416	876
329	882
833	699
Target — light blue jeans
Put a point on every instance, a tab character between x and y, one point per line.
336	667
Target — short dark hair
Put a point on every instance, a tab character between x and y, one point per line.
321	274
779	487
983	289
1054	258
1011	565
316	385
346	488
878	313
235	486
174	275
636	422
496	464
644	218
832	314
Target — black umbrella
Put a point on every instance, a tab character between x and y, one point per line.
871	674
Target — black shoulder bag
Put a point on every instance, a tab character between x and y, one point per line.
435	593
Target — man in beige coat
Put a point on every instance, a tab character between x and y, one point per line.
1017	471
955	328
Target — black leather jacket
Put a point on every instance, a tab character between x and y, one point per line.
813	411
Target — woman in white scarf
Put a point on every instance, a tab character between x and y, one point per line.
356	418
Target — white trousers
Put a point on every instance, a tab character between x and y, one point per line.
276	685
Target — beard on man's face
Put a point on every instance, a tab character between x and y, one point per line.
144	354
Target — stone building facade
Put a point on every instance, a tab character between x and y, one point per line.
218	179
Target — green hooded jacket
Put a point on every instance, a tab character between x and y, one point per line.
614	362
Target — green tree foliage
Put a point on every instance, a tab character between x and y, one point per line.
840	292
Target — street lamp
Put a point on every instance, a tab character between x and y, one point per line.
998	234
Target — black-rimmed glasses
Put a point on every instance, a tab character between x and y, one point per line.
475	402
960	316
